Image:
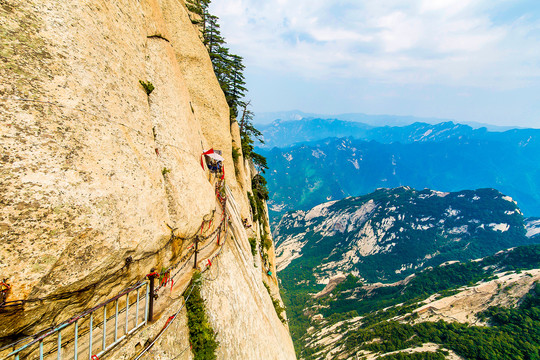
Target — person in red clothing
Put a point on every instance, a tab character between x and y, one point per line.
4	289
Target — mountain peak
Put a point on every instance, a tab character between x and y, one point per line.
425	228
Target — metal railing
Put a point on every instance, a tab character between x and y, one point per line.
76	337
83	335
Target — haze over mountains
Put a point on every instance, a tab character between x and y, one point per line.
265	118
286	133
333	159
380	231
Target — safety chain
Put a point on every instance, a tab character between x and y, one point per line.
173	317
165	275
129	261
44	333
67	295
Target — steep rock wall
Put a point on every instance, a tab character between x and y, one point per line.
93	170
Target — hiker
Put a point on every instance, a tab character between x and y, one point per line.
4	289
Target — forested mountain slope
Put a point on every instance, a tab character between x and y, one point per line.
391	233
485	309
333	169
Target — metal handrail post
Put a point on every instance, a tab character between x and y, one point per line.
137	309
76	350
104	345
196	251
59	352
151	305
146	308
41	350
116	322
90	336
127	313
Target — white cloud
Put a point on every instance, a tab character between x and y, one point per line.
420	41
450	7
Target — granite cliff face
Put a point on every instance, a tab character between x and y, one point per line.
94	171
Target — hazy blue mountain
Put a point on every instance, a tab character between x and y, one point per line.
264	118
373	120
286	133
457	157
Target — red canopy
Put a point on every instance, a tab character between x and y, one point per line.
214	155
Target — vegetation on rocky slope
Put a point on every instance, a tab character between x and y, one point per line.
392	233
339	167
201	335
514	334
381	304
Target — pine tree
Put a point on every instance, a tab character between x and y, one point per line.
212	35
248	133
219	54
237	89
227	67
198	10
229	70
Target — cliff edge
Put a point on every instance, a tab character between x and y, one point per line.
101	179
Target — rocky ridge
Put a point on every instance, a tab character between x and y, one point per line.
533	227
392	233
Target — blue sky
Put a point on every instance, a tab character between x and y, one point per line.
468	60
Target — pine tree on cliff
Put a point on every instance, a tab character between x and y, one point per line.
237	89
219	54
212	35
227	67
229	70
248	132
221	65
199	8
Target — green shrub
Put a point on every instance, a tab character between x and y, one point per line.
147	86
235	154
277	305
253	244
252	204
201	335
415	356
267	243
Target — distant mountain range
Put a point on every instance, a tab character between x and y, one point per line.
446	156
265	118
286	133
